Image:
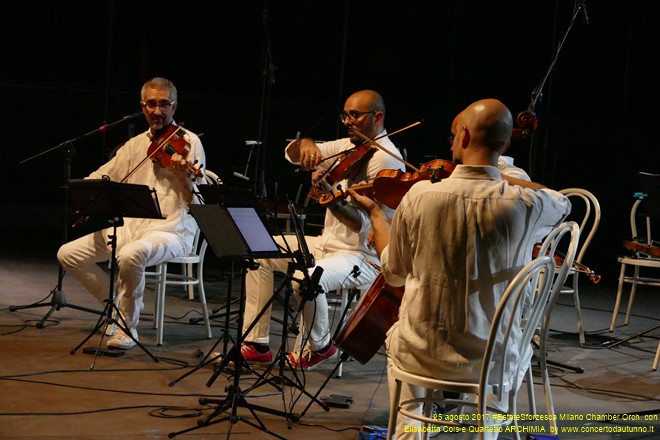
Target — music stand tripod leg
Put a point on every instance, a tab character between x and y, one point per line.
636	335
281	359
235	397
225	338
57	302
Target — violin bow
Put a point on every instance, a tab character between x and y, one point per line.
375	139
380	147
376	144
160	146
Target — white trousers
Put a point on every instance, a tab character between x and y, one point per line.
80	257
337	267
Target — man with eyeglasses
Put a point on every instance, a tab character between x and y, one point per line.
343	245
141	242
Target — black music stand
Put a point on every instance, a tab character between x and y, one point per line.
237	232
103	199
303	260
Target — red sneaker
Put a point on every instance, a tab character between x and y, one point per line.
311	359
251	354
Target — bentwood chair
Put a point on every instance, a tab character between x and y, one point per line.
501	370
586	211
571	231
641	252
191	275
163	279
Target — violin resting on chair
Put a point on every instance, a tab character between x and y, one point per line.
652	250
577	267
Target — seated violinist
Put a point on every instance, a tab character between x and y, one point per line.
455	245
343	243
142	242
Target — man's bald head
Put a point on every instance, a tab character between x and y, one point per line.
489	122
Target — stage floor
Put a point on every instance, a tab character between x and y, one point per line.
46	392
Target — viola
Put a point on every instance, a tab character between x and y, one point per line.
578	267
389	186
164	146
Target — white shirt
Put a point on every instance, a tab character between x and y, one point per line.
506	166
455	245
172	204
337	236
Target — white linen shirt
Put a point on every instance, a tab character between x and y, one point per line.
455	245
506	166
337	236
172	204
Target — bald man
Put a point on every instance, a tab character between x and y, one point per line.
455	245
343	244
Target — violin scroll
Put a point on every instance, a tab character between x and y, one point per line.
528	124
577	267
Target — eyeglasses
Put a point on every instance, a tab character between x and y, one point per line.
451	138
163	105
353	115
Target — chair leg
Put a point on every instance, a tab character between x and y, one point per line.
578	310
657	359
619	292
162	285
428	410
548	395
157	299
632	296
190	274
394	410
202	299
531	398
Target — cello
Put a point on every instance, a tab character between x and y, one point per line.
365	331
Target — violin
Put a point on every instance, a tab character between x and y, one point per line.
351	161
643	248
389	186
350	164
170	142
164	146
578	267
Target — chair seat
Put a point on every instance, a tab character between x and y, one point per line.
645	262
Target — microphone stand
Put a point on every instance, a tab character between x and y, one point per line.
58	299
268	74
527	119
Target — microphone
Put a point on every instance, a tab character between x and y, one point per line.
241	176
125	118
311	292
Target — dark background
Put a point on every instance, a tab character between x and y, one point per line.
248	70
